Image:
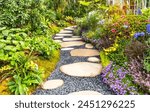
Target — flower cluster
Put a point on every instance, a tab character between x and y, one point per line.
111	49
113	30
115	79
148	28
139	34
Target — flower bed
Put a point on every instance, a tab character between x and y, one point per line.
124	43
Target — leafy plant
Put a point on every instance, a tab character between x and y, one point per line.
135	49
43	46
105	60
25	74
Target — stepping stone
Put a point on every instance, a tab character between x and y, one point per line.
93	59
71	39
58	37
67	49
65	32
52	84
82	69
69	28
90	46
76	37
84	52
64	35
85	93
70	44
58	41
74	26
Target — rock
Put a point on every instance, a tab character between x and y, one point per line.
58	37
71	39
63	35
85	93
76	37
52	84
90	46
69	28
65	32
70	44
67	49
82	69
84	52
58	41
93	59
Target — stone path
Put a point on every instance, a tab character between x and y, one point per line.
79	69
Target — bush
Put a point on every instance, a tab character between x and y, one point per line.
25	74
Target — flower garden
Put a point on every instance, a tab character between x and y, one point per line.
28	53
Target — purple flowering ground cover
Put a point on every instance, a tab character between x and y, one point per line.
118	80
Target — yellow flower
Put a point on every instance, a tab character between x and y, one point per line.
106	53
114	49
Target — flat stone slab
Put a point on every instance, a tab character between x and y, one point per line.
58	37
90	46
69	28
85	93
71	39
67	49
65	32
58	41
70	44
52	84
64	35
82	69
93	59
84	52
76	37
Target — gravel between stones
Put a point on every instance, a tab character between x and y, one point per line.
74	84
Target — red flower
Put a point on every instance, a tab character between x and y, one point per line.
113	30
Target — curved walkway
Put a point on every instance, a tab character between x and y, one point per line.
66	78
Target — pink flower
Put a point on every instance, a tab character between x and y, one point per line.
113	30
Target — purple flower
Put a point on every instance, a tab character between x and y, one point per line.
136	35
105	80
148	28
142	34
139	34
111	75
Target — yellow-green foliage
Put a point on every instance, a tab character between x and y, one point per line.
90	34
104	59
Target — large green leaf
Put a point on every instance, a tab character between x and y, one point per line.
5	32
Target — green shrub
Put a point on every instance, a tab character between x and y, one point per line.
25	74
